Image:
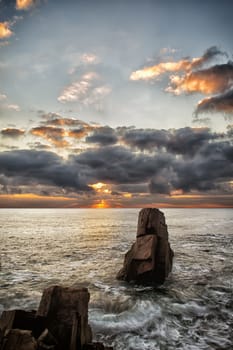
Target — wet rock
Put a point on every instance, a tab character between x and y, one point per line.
60	306
149	261
61	323
46	341
17	339
16	319
20	319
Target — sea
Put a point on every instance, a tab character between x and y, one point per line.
193	310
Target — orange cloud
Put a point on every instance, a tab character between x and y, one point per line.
12	132
52	134
30	200
5	31
209	81
148	73
186	65
24	4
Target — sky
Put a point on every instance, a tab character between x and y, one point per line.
116	103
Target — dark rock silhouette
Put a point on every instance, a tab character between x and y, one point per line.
60	323
149	260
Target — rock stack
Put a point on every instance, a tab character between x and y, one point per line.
149	260
60	323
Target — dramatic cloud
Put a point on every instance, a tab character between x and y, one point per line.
5	31
221	103
184	141
103	136
12	132
24	4
41	167
216	79
128	162
119	165
59	131
52	134
148	73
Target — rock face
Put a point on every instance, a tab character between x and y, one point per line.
60	323
149	260
64	309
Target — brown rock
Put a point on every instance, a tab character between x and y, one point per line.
21	319
149	260
17	339
46	341
59	305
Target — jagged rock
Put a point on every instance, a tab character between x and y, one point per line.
46	341
20	319
149	260
17	319
18	339
61	323
60	306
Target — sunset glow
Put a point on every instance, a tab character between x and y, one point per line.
24	4
5	31
101	205
107	105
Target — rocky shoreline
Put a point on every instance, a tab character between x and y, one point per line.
61	321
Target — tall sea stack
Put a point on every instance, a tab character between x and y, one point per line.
149	260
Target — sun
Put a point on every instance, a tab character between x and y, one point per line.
101	205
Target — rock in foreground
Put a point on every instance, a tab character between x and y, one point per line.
149	260
60	323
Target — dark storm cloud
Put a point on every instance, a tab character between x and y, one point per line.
103	136
145	139
12	132
210	167
222	103
42	167
132	188
120	165
209	55
208	170
185	159
184	141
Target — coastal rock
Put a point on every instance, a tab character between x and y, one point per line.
19	339
20	319
149	261
46	341
66	309
60	323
